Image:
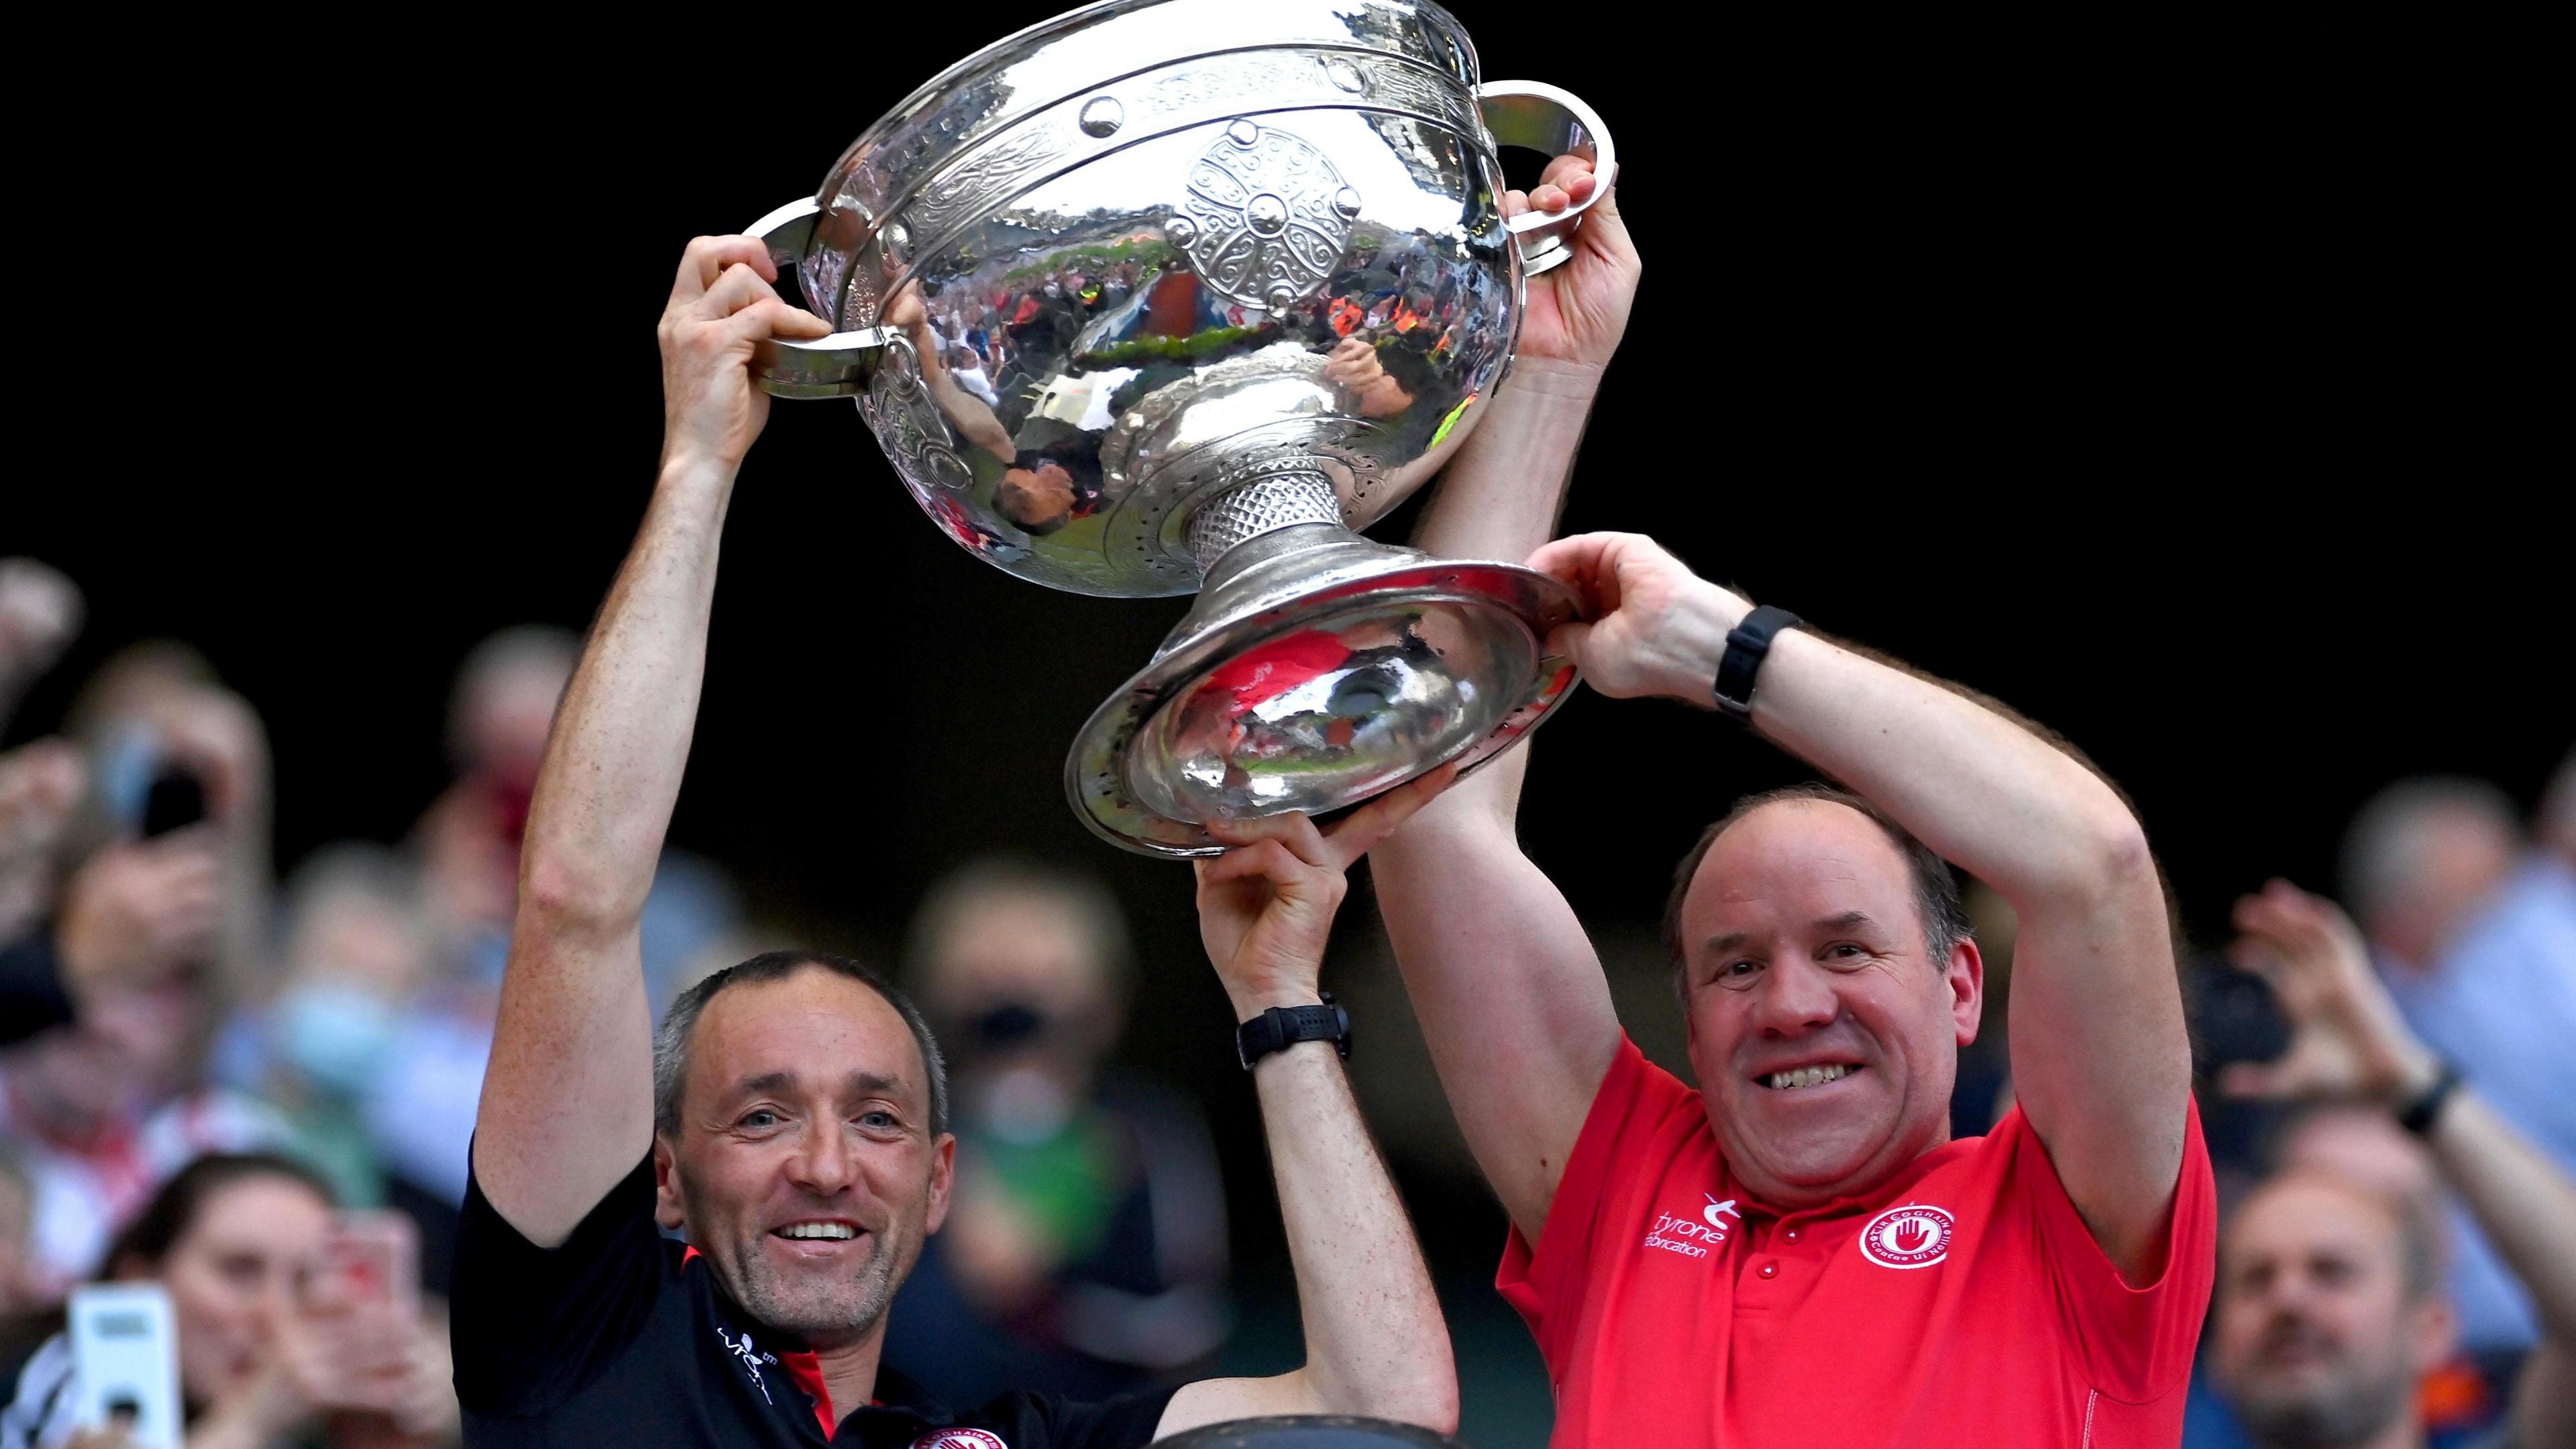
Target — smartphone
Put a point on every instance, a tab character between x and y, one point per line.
372	1257
125	1362
175	801
145	790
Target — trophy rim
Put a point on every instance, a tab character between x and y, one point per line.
1077	18
1100	757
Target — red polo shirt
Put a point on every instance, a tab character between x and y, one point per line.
1961	1302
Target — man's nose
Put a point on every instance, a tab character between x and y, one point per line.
826	1164
1793	997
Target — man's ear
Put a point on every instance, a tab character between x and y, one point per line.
2437	1333
1965	976
943	1177
666	1187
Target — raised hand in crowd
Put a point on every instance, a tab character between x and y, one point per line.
40	615
40	786
138	913
2348	1041
373	1373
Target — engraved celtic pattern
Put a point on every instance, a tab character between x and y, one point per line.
990	169
909	428
987	173
1265	218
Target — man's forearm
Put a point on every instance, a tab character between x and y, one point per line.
567	1099
2002	803
1500	497
2522	1201
1375	1342
621	738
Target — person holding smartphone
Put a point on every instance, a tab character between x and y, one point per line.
294	1323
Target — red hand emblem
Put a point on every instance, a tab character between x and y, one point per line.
1910	1237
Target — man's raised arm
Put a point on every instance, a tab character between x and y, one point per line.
1375	1343
567	1104
2101	1063
1496	965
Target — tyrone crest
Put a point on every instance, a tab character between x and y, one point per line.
959	1439
1265	219
1916	1235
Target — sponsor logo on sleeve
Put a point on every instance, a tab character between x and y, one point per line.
1916	1235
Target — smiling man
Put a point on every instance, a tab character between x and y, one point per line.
790	1119
1795	1251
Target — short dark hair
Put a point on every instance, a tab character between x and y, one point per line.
176	1207
1936	890
671	1043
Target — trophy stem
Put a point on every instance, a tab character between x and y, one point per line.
1287	498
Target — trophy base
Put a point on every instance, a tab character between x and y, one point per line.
1318	669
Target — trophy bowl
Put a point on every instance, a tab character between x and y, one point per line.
1163	296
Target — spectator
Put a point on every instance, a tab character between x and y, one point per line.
273	1347
2329	1314
100	1109
354	953
1086	1253
2477	943
498	715
422	1118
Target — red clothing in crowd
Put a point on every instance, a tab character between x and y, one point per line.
1963	1302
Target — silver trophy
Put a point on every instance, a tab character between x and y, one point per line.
1165	296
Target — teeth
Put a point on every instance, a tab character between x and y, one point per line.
1807	1076
818	1230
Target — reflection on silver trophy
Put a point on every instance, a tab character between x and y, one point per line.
1174	295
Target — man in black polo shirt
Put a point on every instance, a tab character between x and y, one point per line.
790	1119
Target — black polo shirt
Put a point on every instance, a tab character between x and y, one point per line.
622	1338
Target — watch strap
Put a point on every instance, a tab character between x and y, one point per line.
1747	645
2419	1115
1282	1027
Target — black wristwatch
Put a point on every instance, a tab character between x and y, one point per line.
1282	1027
1747	645
2419	1115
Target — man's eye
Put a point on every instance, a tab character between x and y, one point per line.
759	1117
879	1121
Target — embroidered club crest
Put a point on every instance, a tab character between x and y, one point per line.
1916	1235
959	1439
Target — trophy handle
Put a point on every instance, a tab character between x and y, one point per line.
1546	119
833	366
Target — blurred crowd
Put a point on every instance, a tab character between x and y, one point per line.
251	1090
247	1090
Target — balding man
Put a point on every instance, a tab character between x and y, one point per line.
2330	1307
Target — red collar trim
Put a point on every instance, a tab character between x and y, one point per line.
807	1371
803	1368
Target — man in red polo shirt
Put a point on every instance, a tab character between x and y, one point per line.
1794	1252
1796	1249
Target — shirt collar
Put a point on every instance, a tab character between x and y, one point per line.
1870	1199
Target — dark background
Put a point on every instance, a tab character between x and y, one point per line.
2179	390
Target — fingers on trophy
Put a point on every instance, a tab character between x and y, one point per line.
1241	278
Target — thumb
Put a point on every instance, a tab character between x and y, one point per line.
1570	640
